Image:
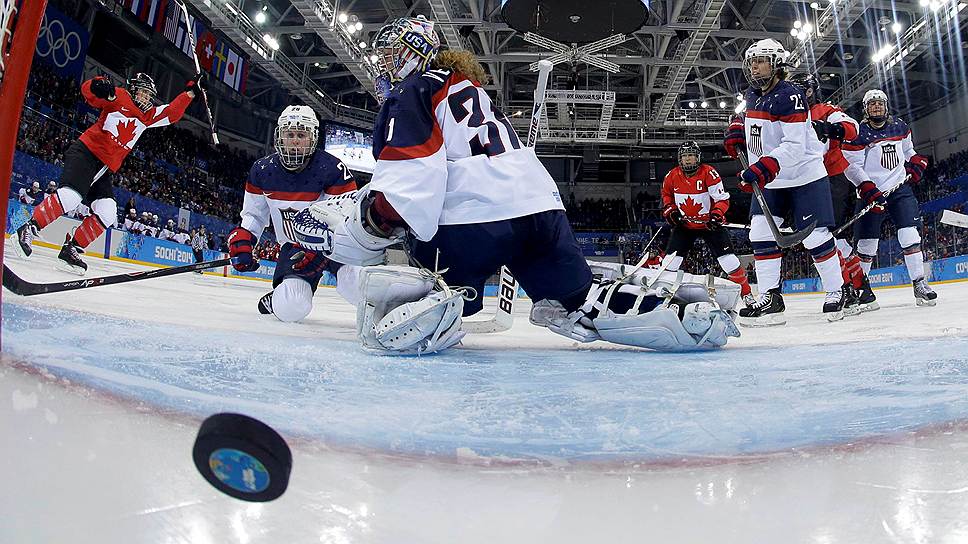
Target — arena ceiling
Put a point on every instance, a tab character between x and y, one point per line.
688	54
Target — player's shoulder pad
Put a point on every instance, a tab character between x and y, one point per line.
784	103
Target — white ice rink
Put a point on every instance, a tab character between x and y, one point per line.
849	432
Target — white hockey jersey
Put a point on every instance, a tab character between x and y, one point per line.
275	194
879	154
778	125
446	156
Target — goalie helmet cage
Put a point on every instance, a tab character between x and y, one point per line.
19	27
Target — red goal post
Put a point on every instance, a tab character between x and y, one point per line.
19	26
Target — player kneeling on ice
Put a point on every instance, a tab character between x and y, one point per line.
454	182
279	186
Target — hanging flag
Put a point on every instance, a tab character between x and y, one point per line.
205	49
233	70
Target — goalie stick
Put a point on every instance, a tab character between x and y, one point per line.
782	240
24	288
507	285
954	219
198	68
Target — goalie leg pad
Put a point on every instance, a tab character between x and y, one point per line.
703	326
384	289
427	325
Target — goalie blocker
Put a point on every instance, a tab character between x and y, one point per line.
405	310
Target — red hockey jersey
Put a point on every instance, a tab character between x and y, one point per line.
695	195
833	158
121	123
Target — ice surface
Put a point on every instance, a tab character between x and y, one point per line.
813	432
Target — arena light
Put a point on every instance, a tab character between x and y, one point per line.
704	104
692	104
359	26
362	45
374	58
343	17
896	28
797	24
722	104
260	17
807	28
794	32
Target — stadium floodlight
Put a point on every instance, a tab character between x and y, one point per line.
722	104
343	17
704	104
896	27
797	24
692	104
260	17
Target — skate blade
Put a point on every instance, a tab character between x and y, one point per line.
19	250
923	302
852	311
870	307
833	316
69	268
772	320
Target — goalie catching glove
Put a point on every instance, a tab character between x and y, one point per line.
340	228
407	311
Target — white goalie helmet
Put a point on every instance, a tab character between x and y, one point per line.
770	49
296	136
875	95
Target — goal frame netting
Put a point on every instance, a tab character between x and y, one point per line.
20	22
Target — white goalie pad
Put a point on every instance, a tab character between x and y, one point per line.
403	312
726	293
662	330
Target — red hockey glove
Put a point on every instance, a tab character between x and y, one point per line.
241	242
735	141
870	194
761	172
915	168
102	88
308	263
672	215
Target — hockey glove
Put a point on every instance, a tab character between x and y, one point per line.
192	85
241	242
335	227
102	88
308	263
672	215
716	220
829	131
915	168
760	172
735	141
870	194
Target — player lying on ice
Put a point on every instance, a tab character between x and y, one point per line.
454	182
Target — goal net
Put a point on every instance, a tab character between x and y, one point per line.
19	26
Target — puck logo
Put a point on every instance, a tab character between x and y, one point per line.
239	470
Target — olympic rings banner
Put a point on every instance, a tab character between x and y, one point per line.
62	43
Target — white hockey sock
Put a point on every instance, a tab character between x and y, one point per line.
843	246
866	266
830	273
915	265
767	274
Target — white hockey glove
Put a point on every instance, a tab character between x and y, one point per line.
407	311
335	227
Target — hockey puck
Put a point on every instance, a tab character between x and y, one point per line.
242	457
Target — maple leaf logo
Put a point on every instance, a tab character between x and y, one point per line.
690	208
126	133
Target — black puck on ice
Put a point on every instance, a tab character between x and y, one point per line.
242	457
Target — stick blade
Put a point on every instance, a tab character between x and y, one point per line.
791	240
954	219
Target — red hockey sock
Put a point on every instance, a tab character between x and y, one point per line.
739	276
855	271
47	211
88	230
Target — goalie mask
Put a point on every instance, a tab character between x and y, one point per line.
690	157
875	106
296	136
142	89
768	50
404	47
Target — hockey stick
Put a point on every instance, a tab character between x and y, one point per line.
198	68
782	240
784	230
24	288
866	209
508	286
954	219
